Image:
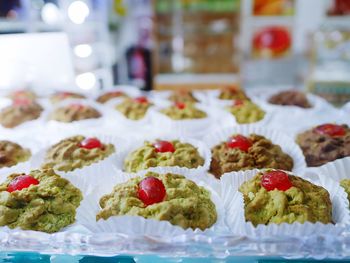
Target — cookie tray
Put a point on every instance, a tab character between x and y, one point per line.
317	246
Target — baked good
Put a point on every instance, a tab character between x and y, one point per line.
325	143
12	153
345	183
273	196
63	95
22	94
182	95
163	153
76	152
232	93
183	111
246	153
290	98
75	112
168	197
110	95
21	110
246	111
42	201
134	108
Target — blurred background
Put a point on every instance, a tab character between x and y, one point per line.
199	44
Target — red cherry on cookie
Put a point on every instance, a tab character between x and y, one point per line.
275	38
141	99
276	180
238	103
164	146
330	129
240	142
180	105
21	182
90	143
21	102
151	190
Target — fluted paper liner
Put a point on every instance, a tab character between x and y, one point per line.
202	149
336	170
137	225
286	143
235	219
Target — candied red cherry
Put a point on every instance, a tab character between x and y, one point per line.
275	38
276	180
164	146
141	99
331	129
238	103
151	190
90	143
180	105
21	102
21	182
239	141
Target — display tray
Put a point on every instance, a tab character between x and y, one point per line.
220	243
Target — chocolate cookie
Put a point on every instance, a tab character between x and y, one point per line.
325	143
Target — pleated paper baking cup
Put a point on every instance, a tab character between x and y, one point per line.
202	149
87	176
336	170
235	219
137	225
285	142
194	128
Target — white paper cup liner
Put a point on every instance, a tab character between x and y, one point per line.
137	225
202	149
235	219
191	127
336	170
88	176
286	143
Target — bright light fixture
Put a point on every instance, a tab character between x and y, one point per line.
78	11
86	81
50	14
83	51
